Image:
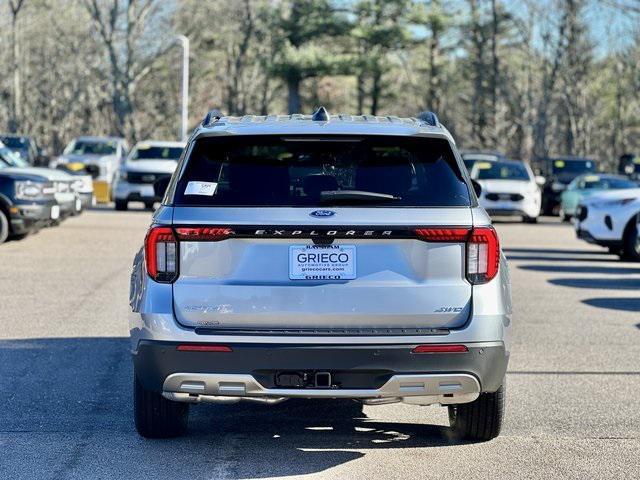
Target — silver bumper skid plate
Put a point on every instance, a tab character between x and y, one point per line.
422	389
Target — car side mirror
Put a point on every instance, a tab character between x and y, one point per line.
540	180
476	187
160	186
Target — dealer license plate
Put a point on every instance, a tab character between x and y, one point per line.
322	262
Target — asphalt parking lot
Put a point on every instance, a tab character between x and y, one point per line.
573	408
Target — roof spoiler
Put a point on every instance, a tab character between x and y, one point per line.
212	116
429	118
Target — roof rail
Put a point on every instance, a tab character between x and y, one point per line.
213	115
320	115
429	118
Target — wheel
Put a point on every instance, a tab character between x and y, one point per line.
149	205
480	420
157	417
565	216
631	240
526	219
4	227
615	250
122	205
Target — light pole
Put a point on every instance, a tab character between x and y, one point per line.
184	42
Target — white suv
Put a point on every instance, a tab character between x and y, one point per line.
612	219
508	188
320	257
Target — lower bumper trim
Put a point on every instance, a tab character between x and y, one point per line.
423	389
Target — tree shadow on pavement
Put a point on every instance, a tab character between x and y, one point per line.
613	303
598	283
556	251
78	390
596	269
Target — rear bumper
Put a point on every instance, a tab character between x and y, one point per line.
357	371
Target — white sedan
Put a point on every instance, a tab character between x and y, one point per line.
508	188
612	219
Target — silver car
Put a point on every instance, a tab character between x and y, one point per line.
148	162
320	257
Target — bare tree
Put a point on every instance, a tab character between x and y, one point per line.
121	28
15	7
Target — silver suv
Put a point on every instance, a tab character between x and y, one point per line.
324	258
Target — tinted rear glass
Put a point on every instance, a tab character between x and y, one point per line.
321	171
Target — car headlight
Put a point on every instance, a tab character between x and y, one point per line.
557	186
614	203
34	190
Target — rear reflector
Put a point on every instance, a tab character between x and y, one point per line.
194	234
203	348
440	349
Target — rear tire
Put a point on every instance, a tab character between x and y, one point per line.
4	227
157	417
20	236
480	420
122	205
631	240
526	219
149	205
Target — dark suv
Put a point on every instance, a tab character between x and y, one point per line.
559	172
27	202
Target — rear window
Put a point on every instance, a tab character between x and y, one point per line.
321	171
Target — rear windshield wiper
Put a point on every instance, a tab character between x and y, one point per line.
329	196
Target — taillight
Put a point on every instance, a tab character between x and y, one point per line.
161	254
194	234
443	234
483	255
483	248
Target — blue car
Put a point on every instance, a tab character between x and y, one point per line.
587	185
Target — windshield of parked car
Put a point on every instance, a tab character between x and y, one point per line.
91	147
500	171
605	183
572	166
15	142
321	171
10	158
148	152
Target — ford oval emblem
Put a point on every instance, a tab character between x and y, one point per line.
322	213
